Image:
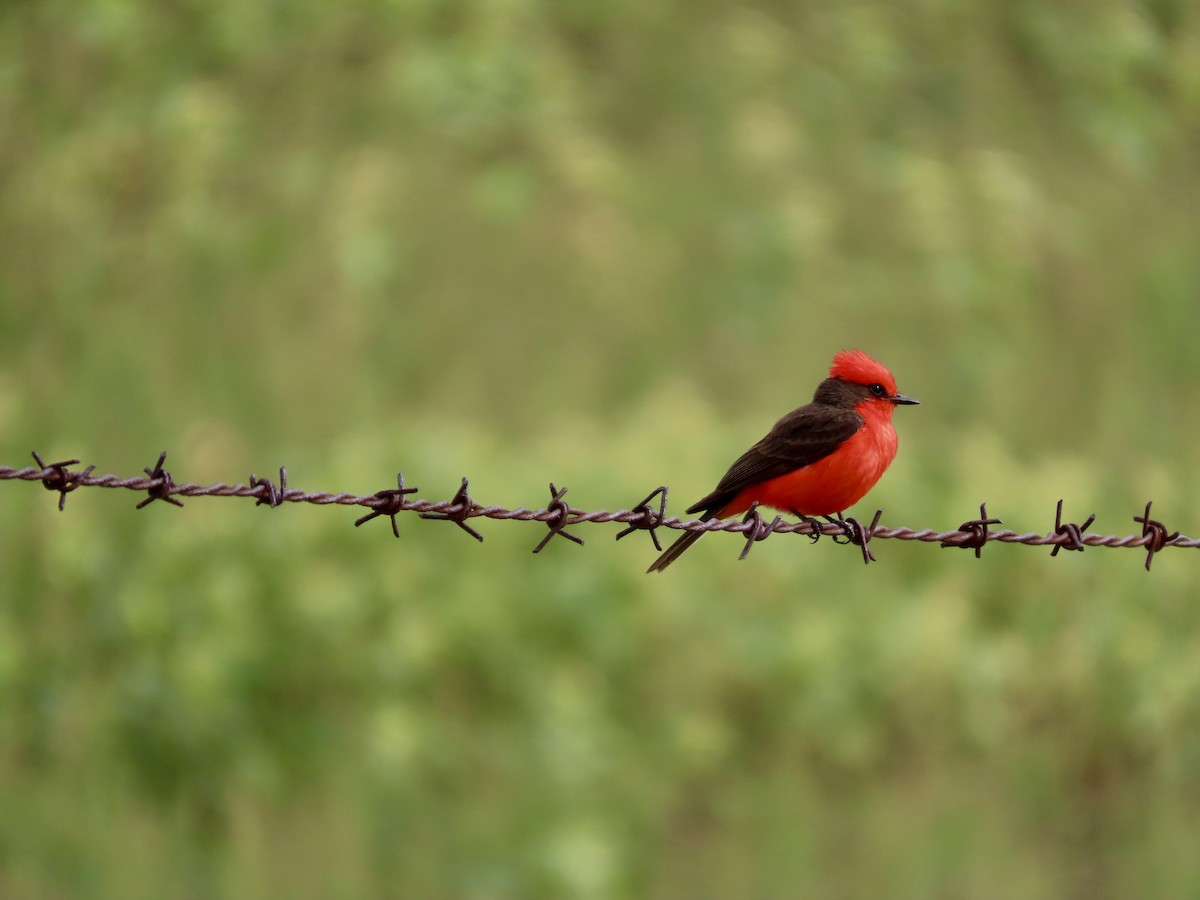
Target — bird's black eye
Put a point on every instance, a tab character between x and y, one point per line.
877	390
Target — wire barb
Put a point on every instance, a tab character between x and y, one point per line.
978	532
1073	532
759	529
57	477
160	485
461	508
1156	533
857	534
272	496
649	519
389	503
559	519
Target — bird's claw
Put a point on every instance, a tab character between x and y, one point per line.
848	528
812	523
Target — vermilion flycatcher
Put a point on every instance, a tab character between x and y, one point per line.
819	459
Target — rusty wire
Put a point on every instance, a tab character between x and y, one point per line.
558	515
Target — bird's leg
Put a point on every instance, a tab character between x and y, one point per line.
812	523
847	527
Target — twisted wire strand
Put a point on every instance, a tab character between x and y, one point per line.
57	476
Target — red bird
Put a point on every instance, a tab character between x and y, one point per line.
819	459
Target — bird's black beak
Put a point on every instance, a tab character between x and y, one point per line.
901	400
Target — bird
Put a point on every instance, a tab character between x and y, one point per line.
818	460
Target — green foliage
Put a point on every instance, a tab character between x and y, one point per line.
605	245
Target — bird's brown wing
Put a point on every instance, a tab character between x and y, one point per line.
799	439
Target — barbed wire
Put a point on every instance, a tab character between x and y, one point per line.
558	515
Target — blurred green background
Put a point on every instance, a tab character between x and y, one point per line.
604	244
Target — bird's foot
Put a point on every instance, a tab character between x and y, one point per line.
859	534
848	527
814	524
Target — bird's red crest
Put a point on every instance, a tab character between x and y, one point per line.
856	367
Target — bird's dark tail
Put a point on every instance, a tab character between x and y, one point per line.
673	552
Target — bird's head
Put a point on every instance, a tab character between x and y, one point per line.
857	381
